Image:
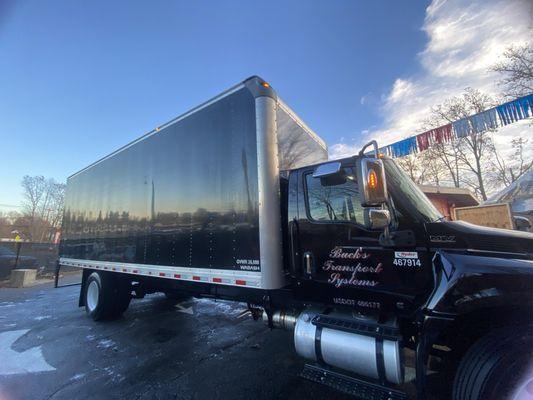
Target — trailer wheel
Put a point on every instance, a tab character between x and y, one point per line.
106	297
495	366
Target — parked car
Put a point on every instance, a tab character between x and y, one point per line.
522	223
8	260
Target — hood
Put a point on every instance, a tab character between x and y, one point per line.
464	235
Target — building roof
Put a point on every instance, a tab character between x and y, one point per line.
519	194
460	197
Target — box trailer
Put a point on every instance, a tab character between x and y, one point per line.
236	199
196	199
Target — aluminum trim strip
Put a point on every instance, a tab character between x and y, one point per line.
270	242
206	275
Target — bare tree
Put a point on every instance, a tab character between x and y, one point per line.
411	165
468	154
43	206
436	170
417	167
509	171
516	70
293	150
443	157
425	167
34	188
33	191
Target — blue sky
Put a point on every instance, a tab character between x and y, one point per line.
79	79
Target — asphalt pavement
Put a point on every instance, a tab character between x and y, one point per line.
196	349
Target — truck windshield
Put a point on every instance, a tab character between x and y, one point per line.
406	191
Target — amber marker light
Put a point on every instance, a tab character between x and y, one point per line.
265	84
372	179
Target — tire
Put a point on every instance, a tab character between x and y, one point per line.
495	366
106	296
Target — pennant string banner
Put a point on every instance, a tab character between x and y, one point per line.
490	119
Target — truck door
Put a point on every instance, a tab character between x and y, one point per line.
342	262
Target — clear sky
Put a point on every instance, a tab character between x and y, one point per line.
79	79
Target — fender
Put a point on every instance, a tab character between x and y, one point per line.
466	281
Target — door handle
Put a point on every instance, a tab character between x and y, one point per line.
309	263
293	249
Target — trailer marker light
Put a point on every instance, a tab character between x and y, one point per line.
240	282
124	270
217	280
161	274
196	278
177	276
135	271
265	84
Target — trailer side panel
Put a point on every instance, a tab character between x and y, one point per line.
185	196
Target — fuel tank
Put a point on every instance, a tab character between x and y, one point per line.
361	354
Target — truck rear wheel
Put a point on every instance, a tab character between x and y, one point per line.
106	296
495	366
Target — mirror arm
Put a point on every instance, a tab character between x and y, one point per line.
371	143
386	232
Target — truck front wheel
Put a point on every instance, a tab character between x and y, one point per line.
496	366
106	296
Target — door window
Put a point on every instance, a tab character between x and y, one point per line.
334	198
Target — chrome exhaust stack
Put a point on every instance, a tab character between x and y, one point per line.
282	319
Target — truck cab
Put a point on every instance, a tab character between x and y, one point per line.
368	252
343	253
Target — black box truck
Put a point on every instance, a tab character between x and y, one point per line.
236	200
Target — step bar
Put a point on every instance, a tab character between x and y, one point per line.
356	387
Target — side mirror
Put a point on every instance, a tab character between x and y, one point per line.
328	169
371	180
522	223
377	218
